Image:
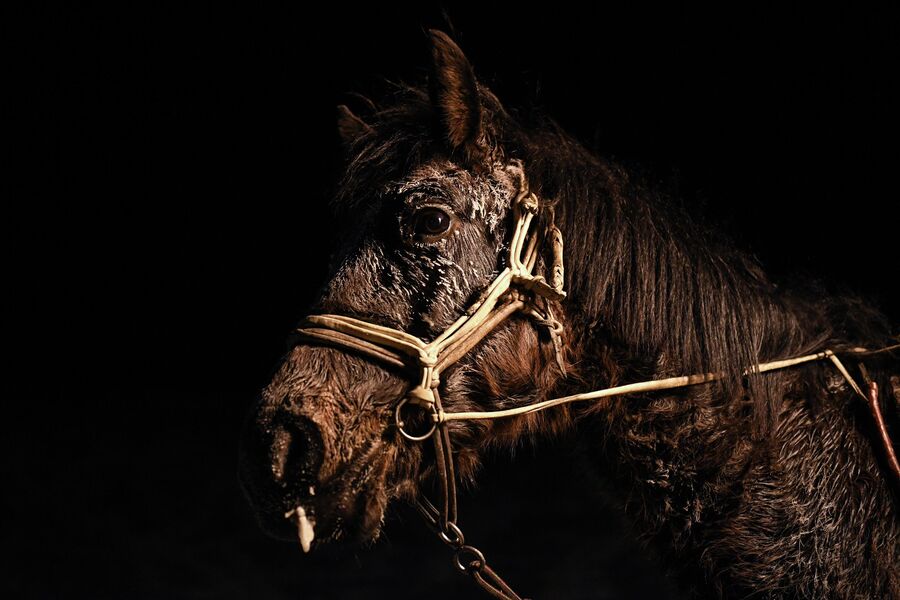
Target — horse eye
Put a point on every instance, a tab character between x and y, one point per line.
431	222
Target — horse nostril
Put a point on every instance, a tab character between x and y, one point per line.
281	441
297	452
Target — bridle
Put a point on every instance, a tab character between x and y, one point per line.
516	289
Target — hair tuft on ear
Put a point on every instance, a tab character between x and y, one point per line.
350	127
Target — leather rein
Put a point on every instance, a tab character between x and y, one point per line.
516	289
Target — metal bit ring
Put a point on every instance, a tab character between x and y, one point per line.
398	421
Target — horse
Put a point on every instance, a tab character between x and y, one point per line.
749	480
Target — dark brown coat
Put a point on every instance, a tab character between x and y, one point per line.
765	486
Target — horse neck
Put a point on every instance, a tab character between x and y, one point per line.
650	298
658	296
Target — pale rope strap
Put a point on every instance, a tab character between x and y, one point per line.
361	329
497	302
668	384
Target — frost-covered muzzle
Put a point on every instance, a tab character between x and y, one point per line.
315	457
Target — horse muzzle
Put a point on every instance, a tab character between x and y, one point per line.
296	496
279	465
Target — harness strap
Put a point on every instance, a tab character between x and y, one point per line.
667	384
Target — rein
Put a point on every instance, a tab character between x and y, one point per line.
515	289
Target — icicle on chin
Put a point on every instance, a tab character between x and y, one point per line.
306	526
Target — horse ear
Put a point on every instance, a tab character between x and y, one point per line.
350	127
455	94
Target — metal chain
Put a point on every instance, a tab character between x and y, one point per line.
442	518
466	558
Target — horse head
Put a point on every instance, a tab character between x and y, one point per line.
425	203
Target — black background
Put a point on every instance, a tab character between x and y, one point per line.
167	225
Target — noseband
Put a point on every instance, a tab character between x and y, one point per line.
517	289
